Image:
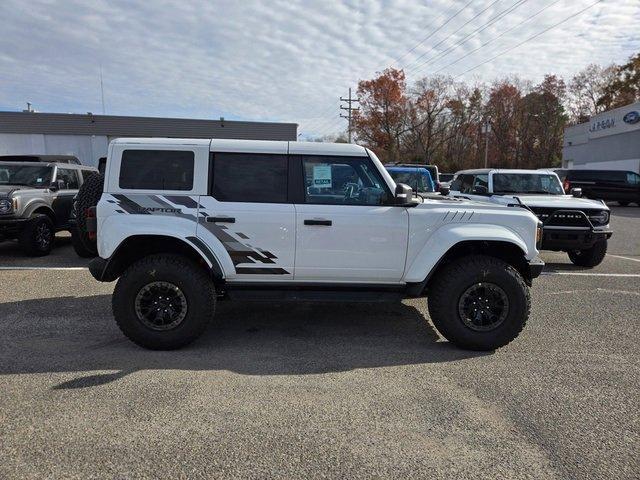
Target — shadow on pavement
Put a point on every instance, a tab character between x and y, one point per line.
72	334
62	255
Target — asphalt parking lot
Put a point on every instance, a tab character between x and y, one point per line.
308	391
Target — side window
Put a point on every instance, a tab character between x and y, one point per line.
633	178
68	179
480	184
342	181
456	183
465	183
249	177
156	170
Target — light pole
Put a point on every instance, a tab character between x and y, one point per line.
486	129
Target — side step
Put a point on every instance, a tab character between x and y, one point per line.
324	295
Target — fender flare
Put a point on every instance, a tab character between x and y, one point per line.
448	236
109	269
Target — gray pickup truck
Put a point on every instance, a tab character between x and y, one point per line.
36	197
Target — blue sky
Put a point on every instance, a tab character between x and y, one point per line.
282	60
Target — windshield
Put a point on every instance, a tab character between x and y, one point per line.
548	184
28	175
416	181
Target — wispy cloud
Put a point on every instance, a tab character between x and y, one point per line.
285	60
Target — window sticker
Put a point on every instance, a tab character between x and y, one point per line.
322	176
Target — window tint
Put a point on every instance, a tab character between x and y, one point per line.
633	178
69	179
463	183
480	184
342	181
249	177
156	170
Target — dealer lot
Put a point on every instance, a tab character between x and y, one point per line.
314	390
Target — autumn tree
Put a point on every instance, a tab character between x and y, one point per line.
625	86
586	91
383	116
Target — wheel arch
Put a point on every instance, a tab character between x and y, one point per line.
136	247
507	251
42	209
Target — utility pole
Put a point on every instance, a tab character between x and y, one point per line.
102	90
486	129
349	109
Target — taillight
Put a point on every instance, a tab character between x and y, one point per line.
566	185
90	216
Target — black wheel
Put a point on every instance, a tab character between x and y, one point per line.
88	196
479	302
36	239
163	302
591	256
79	246
623	204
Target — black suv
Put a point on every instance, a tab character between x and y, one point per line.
617	185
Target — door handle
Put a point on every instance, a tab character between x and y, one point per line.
221	220
326	223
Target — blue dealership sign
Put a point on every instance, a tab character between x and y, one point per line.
631	117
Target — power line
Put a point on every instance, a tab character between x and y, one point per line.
444	53
530	38
498	36
452	34
397	60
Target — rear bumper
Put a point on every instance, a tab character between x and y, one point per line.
557	238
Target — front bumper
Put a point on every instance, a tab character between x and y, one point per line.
575	238
534	268
11	227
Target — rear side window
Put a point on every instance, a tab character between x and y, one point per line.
67	179
156	170
249	177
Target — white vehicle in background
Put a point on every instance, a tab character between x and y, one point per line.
182	224
575	225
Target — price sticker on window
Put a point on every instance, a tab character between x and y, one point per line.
322	176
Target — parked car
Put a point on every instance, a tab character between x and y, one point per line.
419	179
184	223
35	200
578	226
610	185
433	170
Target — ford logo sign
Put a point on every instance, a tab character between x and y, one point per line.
631	117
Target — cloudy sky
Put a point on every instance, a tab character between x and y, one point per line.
284	60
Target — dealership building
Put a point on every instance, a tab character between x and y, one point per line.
610	140
87	136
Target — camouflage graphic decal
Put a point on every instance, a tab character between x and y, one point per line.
239	252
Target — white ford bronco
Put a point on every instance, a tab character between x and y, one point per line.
182	224
575	225
36	195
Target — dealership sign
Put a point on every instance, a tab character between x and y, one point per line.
631	118
613	122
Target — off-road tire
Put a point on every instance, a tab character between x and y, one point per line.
589	257
30	236
191	279
455	278
79	246
88	196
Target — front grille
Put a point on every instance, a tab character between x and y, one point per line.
564	217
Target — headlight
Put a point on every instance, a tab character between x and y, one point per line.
6	206
600	218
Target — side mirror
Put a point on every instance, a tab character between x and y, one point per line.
404	196
444	189
576	192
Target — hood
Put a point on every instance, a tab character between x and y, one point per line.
552	201
5	190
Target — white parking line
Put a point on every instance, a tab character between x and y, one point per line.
42	268
588	274
624	258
